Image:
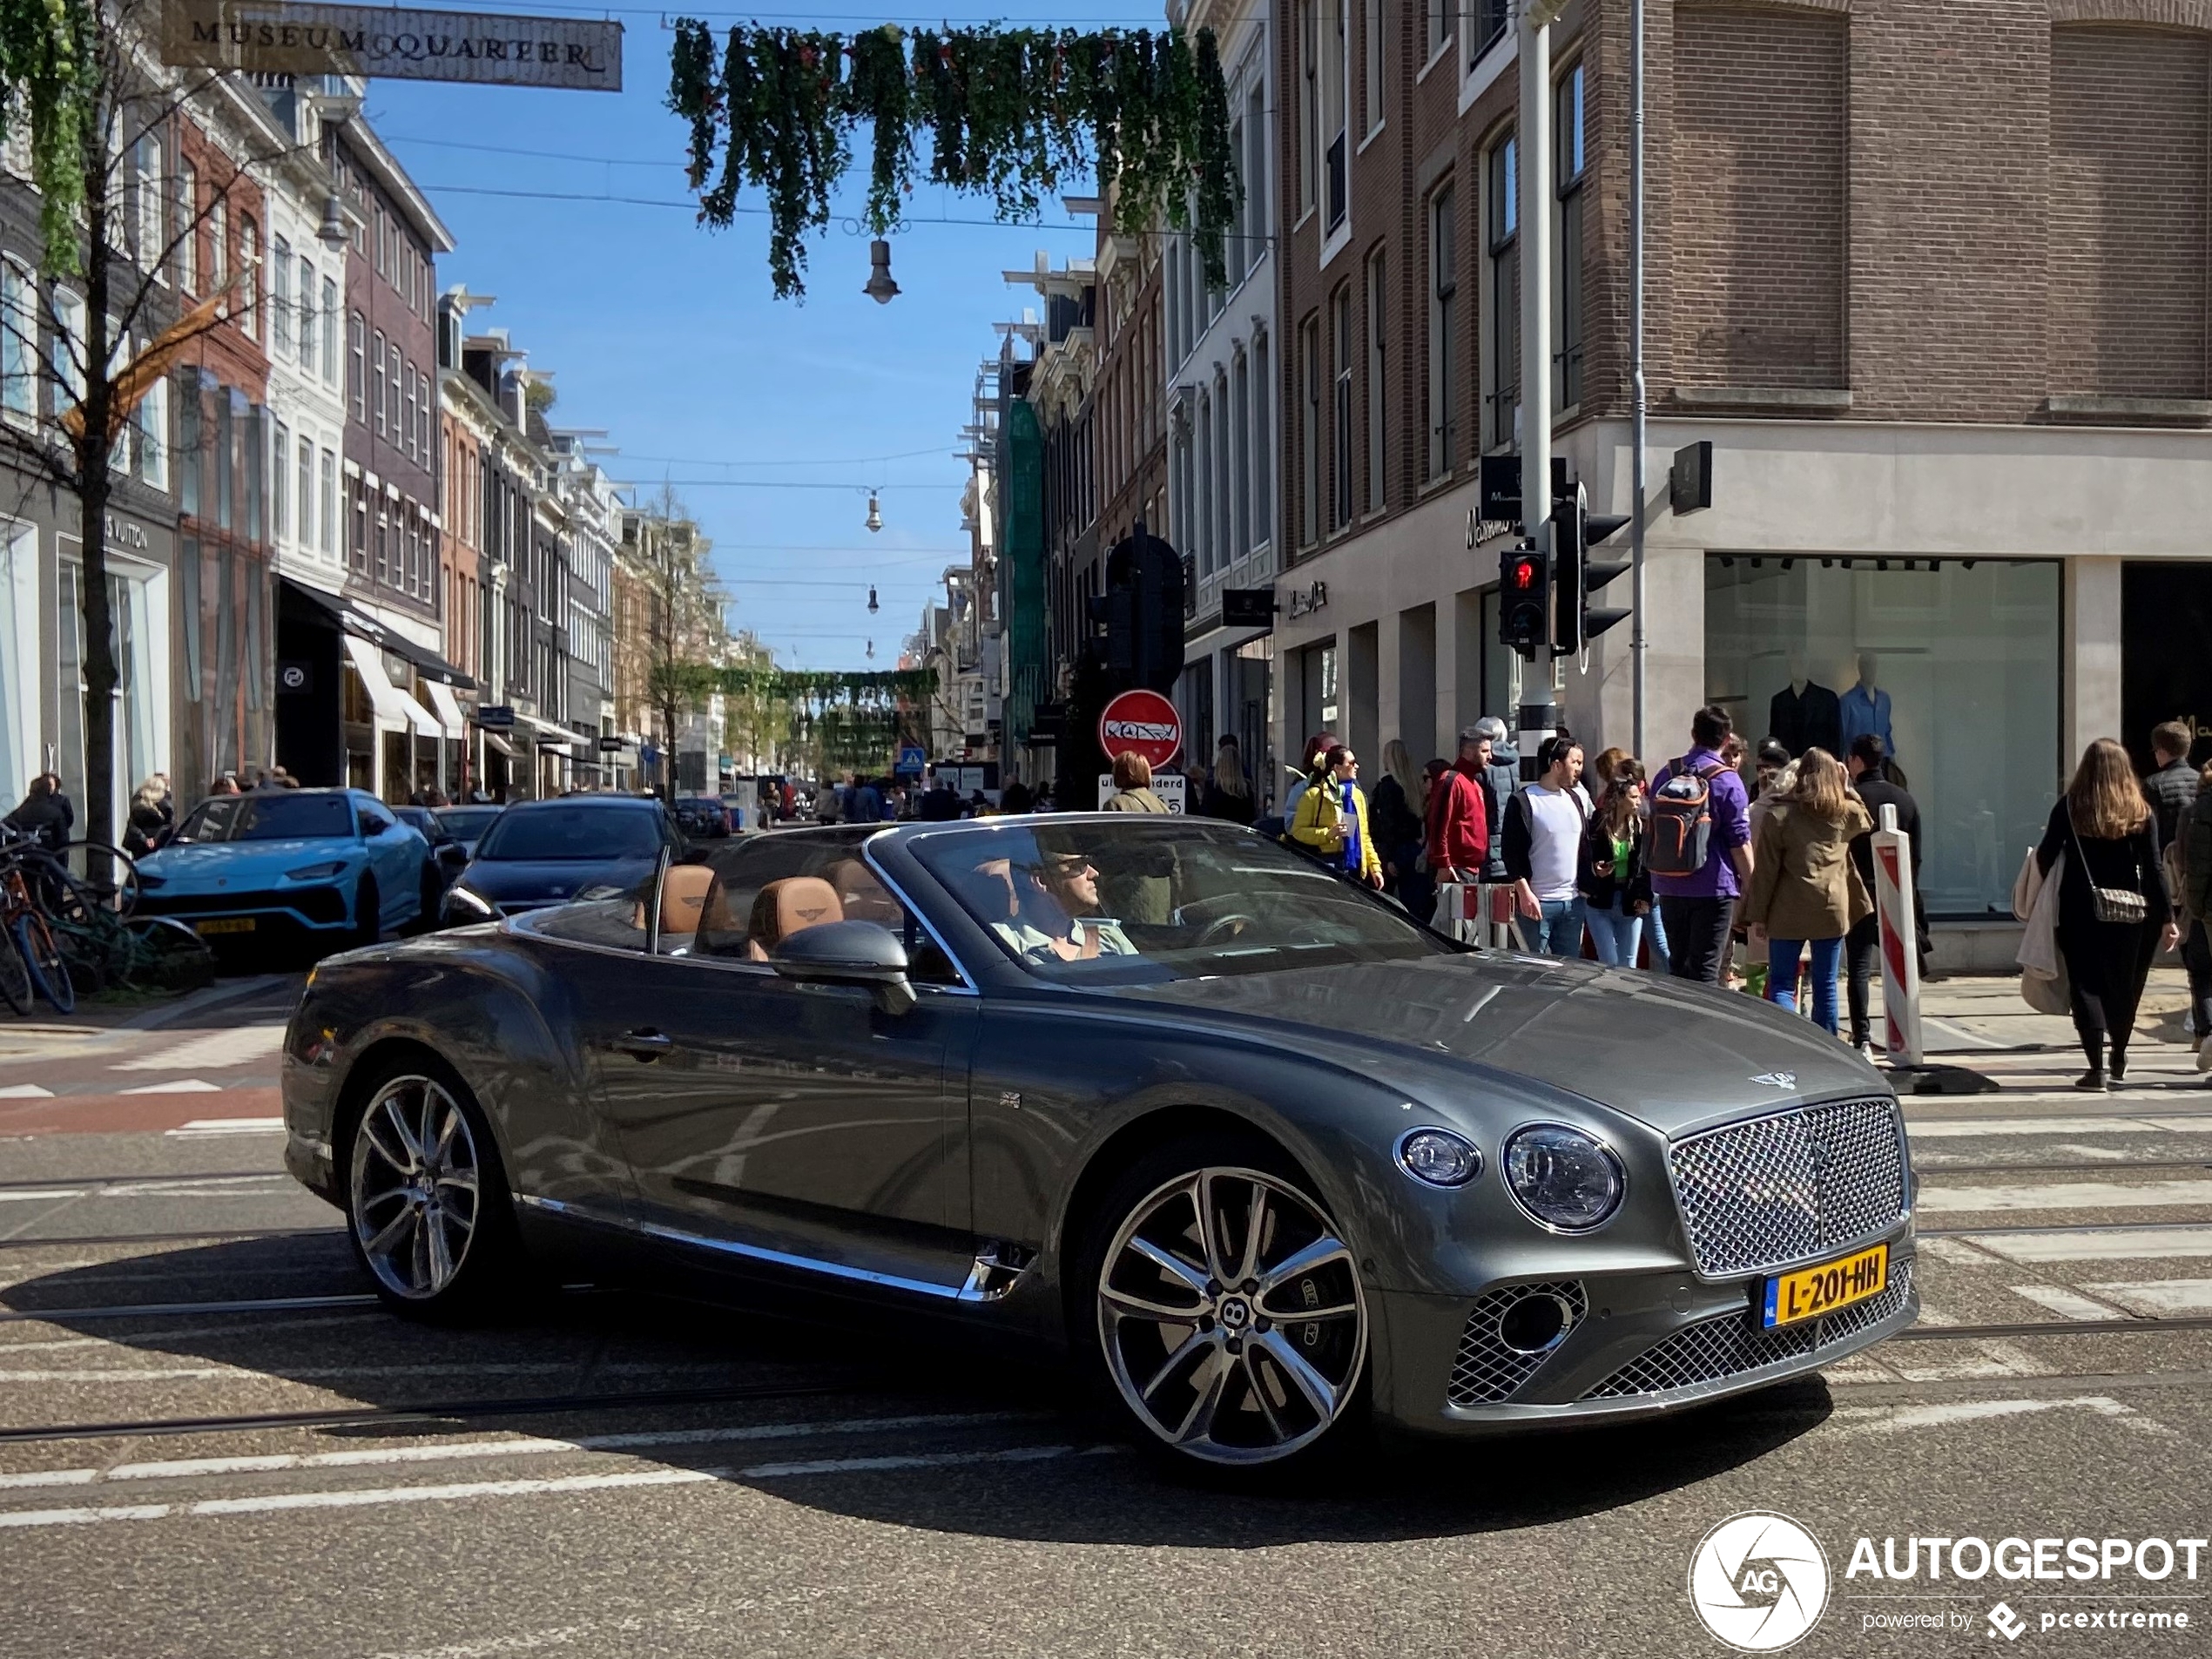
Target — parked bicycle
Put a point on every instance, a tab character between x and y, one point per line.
67	914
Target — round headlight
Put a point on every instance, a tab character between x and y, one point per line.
1562	1177
1438	1157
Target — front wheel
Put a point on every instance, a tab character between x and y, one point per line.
426	1203
368	920
1228	1310
49	972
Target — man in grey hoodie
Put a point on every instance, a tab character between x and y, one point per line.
1499	779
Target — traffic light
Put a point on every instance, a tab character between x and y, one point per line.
1524	598
1575	529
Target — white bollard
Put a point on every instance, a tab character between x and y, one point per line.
1893	908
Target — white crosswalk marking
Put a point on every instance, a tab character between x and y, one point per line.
212	1052
2153	1298
2066	1195
2119	1244
2068	1305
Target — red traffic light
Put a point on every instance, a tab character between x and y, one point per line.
1522	576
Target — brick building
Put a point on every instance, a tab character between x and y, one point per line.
1942	317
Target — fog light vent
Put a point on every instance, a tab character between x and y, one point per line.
1510	1331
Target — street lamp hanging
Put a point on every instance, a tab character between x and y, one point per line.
880	287
333	234
873	606
875	512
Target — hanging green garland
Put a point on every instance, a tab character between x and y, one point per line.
1009	114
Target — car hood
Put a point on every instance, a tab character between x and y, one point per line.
548	881
1673	1054
232	862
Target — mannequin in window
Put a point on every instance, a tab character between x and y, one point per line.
1865	706
1804	715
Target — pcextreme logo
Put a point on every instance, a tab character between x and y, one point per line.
1759	1582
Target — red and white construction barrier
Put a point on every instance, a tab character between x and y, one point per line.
1477	913
1900	940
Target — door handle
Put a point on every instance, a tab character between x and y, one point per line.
646	1045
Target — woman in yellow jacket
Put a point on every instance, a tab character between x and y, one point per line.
1331	818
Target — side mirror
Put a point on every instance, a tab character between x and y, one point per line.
848	953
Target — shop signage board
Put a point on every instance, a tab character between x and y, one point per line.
1142	723
1172	787
501	715
393	43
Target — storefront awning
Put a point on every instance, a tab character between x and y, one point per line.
546	734
357	623
498	744
393	706
447	708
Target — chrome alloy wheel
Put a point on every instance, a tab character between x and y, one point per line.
414	1186
1231	1317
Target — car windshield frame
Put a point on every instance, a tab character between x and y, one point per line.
516	821
1206	876
236	819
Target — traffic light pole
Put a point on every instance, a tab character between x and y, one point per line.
1539	716
1639	646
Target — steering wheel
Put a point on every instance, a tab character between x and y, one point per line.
1226	927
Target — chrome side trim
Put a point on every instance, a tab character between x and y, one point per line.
977	1287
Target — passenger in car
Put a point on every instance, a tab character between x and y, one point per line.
790	906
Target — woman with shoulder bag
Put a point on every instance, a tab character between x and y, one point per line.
1609	873
1805	891
2114	909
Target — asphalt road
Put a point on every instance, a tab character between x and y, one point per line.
714	1483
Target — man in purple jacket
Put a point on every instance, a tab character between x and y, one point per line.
1697	907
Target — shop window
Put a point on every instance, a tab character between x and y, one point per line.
1570	161
1501	339
1956	665
1443	328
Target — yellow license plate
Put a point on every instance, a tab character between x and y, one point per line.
1811	1291
225	925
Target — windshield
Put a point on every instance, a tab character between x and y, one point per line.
467	823
1134	902
277	815
578	832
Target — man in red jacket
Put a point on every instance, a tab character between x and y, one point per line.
1459	826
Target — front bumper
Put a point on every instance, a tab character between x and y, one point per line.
1641	1344
320	913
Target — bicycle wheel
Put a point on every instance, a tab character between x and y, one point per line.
14	976
48	973
95	873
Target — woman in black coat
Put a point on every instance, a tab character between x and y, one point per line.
2104	827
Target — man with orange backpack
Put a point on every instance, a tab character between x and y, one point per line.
1700	848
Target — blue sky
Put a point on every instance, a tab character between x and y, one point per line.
667	334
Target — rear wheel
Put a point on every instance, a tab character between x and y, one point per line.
426	1205
15	976
1227	1311
48	973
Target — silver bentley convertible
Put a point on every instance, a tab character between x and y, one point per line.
1267	1159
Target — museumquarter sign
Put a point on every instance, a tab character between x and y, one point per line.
395	43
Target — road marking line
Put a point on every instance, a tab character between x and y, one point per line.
49	1478
1891	1420
30	1195
204	1126
1956	1252
2120	1244
216	1186
2070	1305
25	1091
2064	1195
1946	1129
2093	1154
459	1490
341	1373
214	1052
2153	1297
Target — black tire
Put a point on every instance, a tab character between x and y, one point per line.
14	975
490	1268
369	927
49	972
1260	1440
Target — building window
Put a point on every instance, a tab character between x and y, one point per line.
1263	441
1336	98
1485	24
376	343
407	425
1443	330
1501	345
307	315
218	245
151	418
1371	29
1253	168
329	481
392	391
1440	16
305	497
67	361
187	190
1309	101
249	275
330	331
1240	436
1376	383
153	229
1572	163
18	341
354	329
280	504
1202	488
1343	344
280	294
1224	546
1309	432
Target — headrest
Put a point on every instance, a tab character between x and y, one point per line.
683	896
791	905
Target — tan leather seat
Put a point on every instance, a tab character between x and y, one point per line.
862	896
787	907
683	897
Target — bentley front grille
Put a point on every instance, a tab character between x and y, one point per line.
1713	1350
1490	1366
1790	1187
